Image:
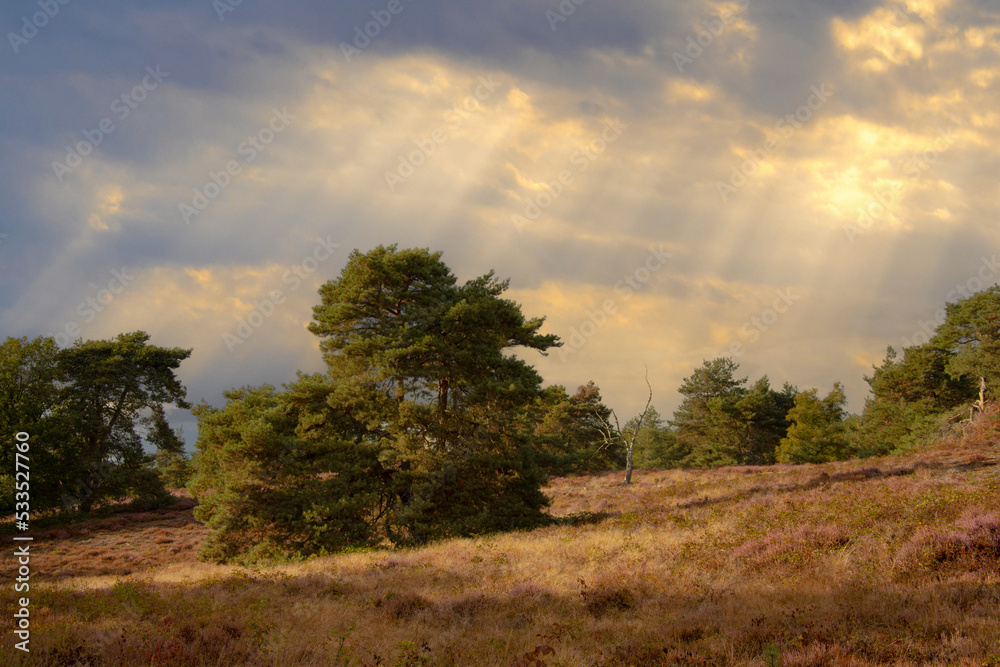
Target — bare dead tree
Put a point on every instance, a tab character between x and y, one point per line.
977	406
614	435
980	405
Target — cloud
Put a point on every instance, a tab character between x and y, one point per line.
559	158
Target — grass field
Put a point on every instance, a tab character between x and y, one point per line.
892	561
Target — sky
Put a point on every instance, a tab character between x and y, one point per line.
796	184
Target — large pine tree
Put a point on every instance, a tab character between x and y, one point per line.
422	428
429	370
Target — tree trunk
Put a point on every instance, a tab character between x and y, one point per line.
442	395
628	460
635	435
86	490
980	405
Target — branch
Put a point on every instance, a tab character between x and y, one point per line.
609	431
610	437
644	410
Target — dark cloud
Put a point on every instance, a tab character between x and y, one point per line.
687	131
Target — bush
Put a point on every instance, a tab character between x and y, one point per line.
973	546
485	492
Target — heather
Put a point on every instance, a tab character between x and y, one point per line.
883	561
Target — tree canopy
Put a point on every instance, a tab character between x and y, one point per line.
571	430
92	409
818	430
722	422
28	394
970	335
436	426
914	396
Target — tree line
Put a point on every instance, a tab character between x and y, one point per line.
425	425
914	398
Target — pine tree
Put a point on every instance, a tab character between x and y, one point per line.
910	398
276	475
570	431
971	334
722	422
654	446
111	395
705	391
422	428
426	367
817	433
28	394
91	410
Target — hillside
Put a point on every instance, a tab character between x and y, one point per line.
890	561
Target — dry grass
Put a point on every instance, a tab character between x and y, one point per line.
125	544
892	561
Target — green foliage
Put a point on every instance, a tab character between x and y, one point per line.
971	336
273	480
772	655
571	431
914	397
174	468
494	486
921	376
423	428
817	433
714	380
893	426
396	327
910	399
655	447
90	409
428	360
28	393
745	428
112	393
722	422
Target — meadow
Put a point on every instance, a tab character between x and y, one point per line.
887	561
